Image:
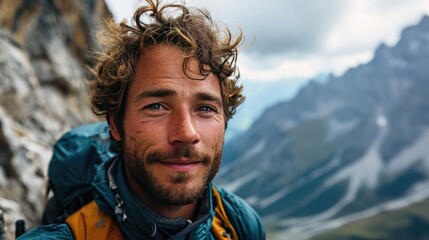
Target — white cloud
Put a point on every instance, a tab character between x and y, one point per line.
369	23
123	9
279	68
304	38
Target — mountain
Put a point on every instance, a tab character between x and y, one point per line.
340	150
44	49
410	222
259	96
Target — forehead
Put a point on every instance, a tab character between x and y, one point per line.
163	65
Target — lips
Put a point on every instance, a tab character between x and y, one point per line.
181	167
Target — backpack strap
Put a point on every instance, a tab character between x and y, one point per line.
222	228
92	223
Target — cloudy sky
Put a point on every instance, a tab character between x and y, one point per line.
289	39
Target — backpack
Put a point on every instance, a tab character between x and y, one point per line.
75	159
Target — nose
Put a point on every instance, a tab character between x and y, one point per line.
183	130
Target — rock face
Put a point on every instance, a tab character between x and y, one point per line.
339	151
44	50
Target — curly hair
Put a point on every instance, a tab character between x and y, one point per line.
193	30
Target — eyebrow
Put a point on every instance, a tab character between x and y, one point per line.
204	96
155	93
209	97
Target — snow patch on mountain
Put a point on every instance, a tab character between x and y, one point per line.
241	181
300	182
304	230
417	152
365	171
336	127
258	148
323	109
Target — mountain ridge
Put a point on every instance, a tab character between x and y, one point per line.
354	127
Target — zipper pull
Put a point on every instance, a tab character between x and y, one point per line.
119	211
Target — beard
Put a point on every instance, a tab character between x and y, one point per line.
174	191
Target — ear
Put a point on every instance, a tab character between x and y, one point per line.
113	129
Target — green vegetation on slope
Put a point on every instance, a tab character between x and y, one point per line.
410	223
308	143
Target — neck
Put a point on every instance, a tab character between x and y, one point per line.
186	211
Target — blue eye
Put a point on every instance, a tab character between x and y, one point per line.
155	106
205	109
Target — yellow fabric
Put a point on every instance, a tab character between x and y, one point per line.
90	222
221	226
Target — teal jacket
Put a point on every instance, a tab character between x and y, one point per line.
245	220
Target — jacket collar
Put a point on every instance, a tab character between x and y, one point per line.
141	222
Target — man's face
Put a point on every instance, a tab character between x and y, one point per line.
173	128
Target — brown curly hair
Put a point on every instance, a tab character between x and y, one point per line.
193	30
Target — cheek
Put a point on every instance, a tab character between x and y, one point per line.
214	140
135	129
142	137
215	134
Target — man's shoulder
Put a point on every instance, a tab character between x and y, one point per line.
242	215
50	232
236	203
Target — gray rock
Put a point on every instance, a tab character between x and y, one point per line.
44	52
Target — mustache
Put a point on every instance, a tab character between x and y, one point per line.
158	156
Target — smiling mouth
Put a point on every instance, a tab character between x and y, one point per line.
180	166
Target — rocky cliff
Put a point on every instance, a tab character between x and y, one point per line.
45	48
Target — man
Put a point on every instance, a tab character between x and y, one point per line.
168	86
